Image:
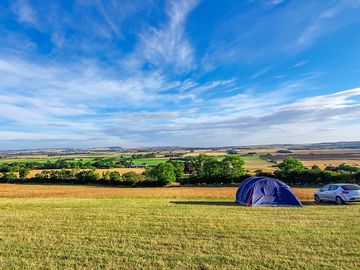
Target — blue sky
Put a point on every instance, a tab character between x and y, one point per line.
184	72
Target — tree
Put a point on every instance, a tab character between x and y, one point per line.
316	168
114	176
290	165
10	176
179	168
88	176
131	176
106	175
162	172
41	176
232	167
24	172
198	164
213	169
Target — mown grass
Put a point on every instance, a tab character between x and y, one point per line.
174	233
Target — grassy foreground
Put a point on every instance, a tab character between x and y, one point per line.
173	232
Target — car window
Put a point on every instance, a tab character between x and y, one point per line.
333	187
351	187
324	188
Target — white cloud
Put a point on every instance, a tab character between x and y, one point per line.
24	12
166	45
300	64
260	73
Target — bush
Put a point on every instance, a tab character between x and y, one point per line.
10	177
131	176
88	176
114	176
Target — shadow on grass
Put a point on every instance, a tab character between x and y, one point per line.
216	203
224	203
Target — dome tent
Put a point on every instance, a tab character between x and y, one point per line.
265	191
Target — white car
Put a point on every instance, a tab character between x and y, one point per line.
339	193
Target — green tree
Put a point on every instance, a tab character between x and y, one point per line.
213	169
198	164
179	168
106	175
24	172
290	165
10	176
88	175
232	167
114	176
131	176
162	172
316	168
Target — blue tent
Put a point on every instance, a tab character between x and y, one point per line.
265	191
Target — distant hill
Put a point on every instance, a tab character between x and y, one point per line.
289	147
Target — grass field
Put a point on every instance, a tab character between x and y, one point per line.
253	163
149	161
169	228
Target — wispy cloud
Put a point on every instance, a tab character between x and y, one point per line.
300	64
260	73
132	73
24	12
166	45
258	35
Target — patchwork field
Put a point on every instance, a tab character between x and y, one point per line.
320	157
73	227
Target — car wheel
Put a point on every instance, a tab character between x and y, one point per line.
317	199
339	201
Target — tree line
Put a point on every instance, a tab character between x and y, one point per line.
199	170
97	163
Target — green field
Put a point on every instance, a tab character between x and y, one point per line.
174	233
149	161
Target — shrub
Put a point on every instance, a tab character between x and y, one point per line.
10	177
87	176
131	176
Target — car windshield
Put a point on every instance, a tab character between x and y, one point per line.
351	187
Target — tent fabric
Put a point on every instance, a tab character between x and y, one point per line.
265	191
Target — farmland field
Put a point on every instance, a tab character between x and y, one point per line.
253	163
84	227
149	161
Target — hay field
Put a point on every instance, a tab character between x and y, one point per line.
166	231
82	191
330	162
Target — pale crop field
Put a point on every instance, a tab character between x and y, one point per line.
73	227
330	162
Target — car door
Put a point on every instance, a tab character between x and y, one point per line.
323	193
331	194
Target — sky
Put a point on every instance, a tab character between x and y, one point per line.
195	73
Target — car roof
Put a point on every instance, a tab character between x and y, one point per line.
341	184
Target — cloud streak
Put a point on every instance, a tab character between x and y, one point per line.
135	73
